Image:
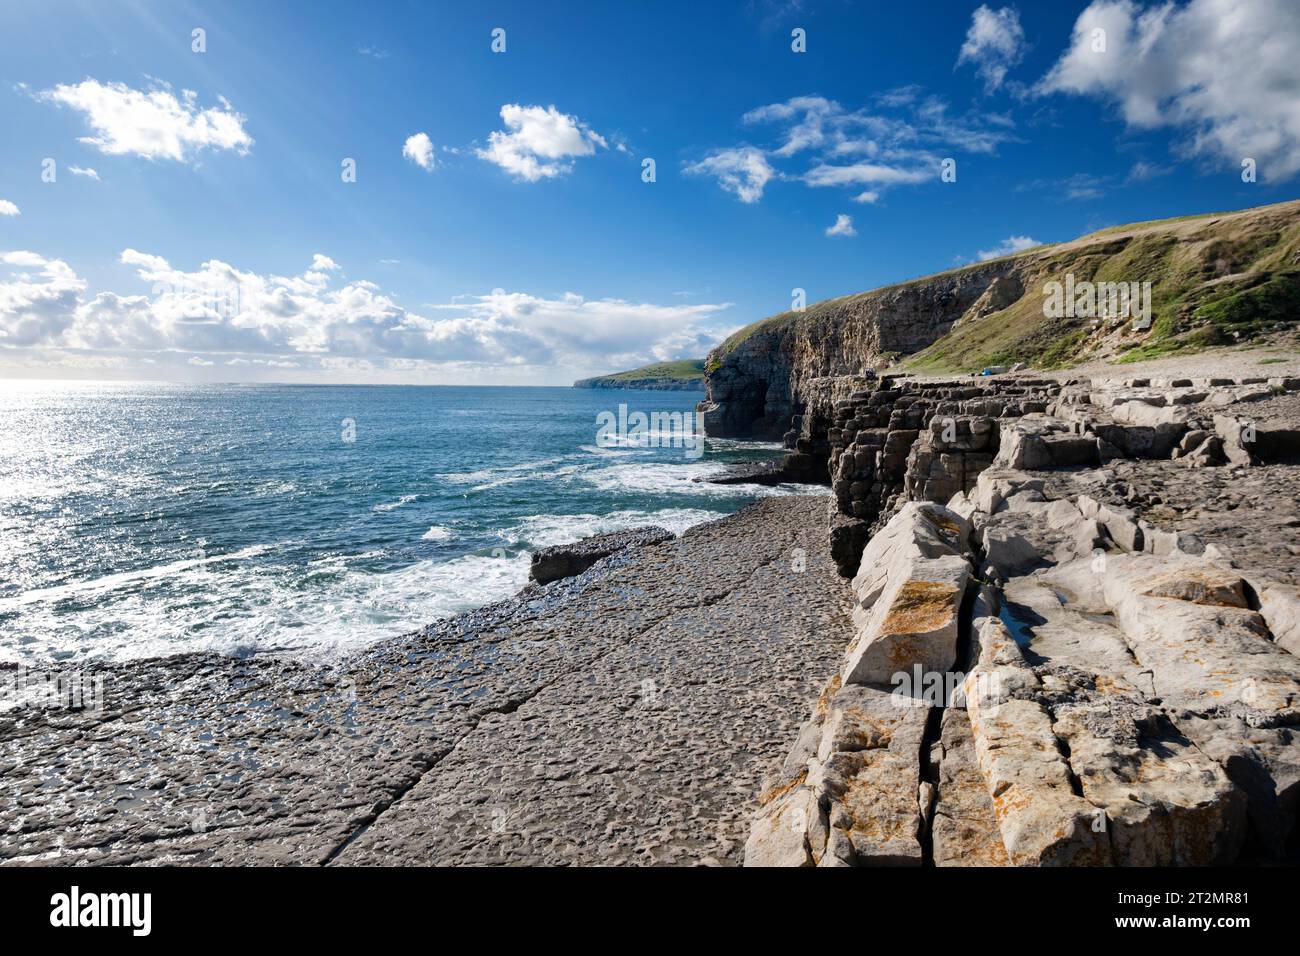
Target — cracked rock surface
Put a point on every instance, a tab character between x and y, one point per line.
624	715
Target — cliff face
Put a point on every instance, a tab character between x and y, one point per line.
1213	280
684	375
646	384
759	377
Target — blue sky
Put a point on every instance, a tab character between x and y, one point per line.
515	241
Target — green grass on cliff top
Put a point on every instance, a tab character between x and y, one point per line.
681	369
1214	281
1221	242
1217	278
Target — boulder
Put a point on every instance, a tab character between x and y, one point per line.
1280	606
917	530
870	757
913	621
566	560
1165	802
847	794
1236	436
1008	552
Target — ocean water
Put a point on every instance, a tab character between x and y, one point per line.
146	519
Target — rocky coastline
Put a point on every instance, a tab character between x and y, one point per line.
617	716
1038	620
644	384
1062	653
684	375
1041	618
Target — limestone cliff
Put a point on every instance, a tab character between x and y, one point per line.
1214	280
685	375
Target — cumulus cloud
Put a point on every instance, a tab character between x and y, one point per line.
83	171
1221	71
1007	246
38	298
8	209
539	142
219	312
995	42
900	140
153	124
843	226
742	170
419	150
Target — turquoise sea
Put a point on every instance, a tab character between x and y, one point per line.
147	519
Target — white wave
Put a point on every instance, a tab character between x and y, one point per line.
670	478
276	488
540	531
510	480
564	472
487	474
112	582
744	444
393	505
241	609
437	533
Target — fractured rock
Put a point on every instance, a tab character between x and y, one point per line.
965	830
1043	821
914	621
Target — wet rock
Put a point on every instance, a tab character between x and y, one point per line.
566	560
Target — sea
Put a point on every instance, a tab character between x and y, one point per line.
140	520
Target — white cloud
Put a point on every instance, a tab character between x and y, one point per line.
419	150
994	43
539	142
807	119
857	174
200	362
743	170
1008	246
854	147
220	313
83	171
153	124
8	209
843	226
36	306
1143	171
1220	70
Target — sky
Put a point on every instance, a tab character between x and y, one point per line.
529	193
